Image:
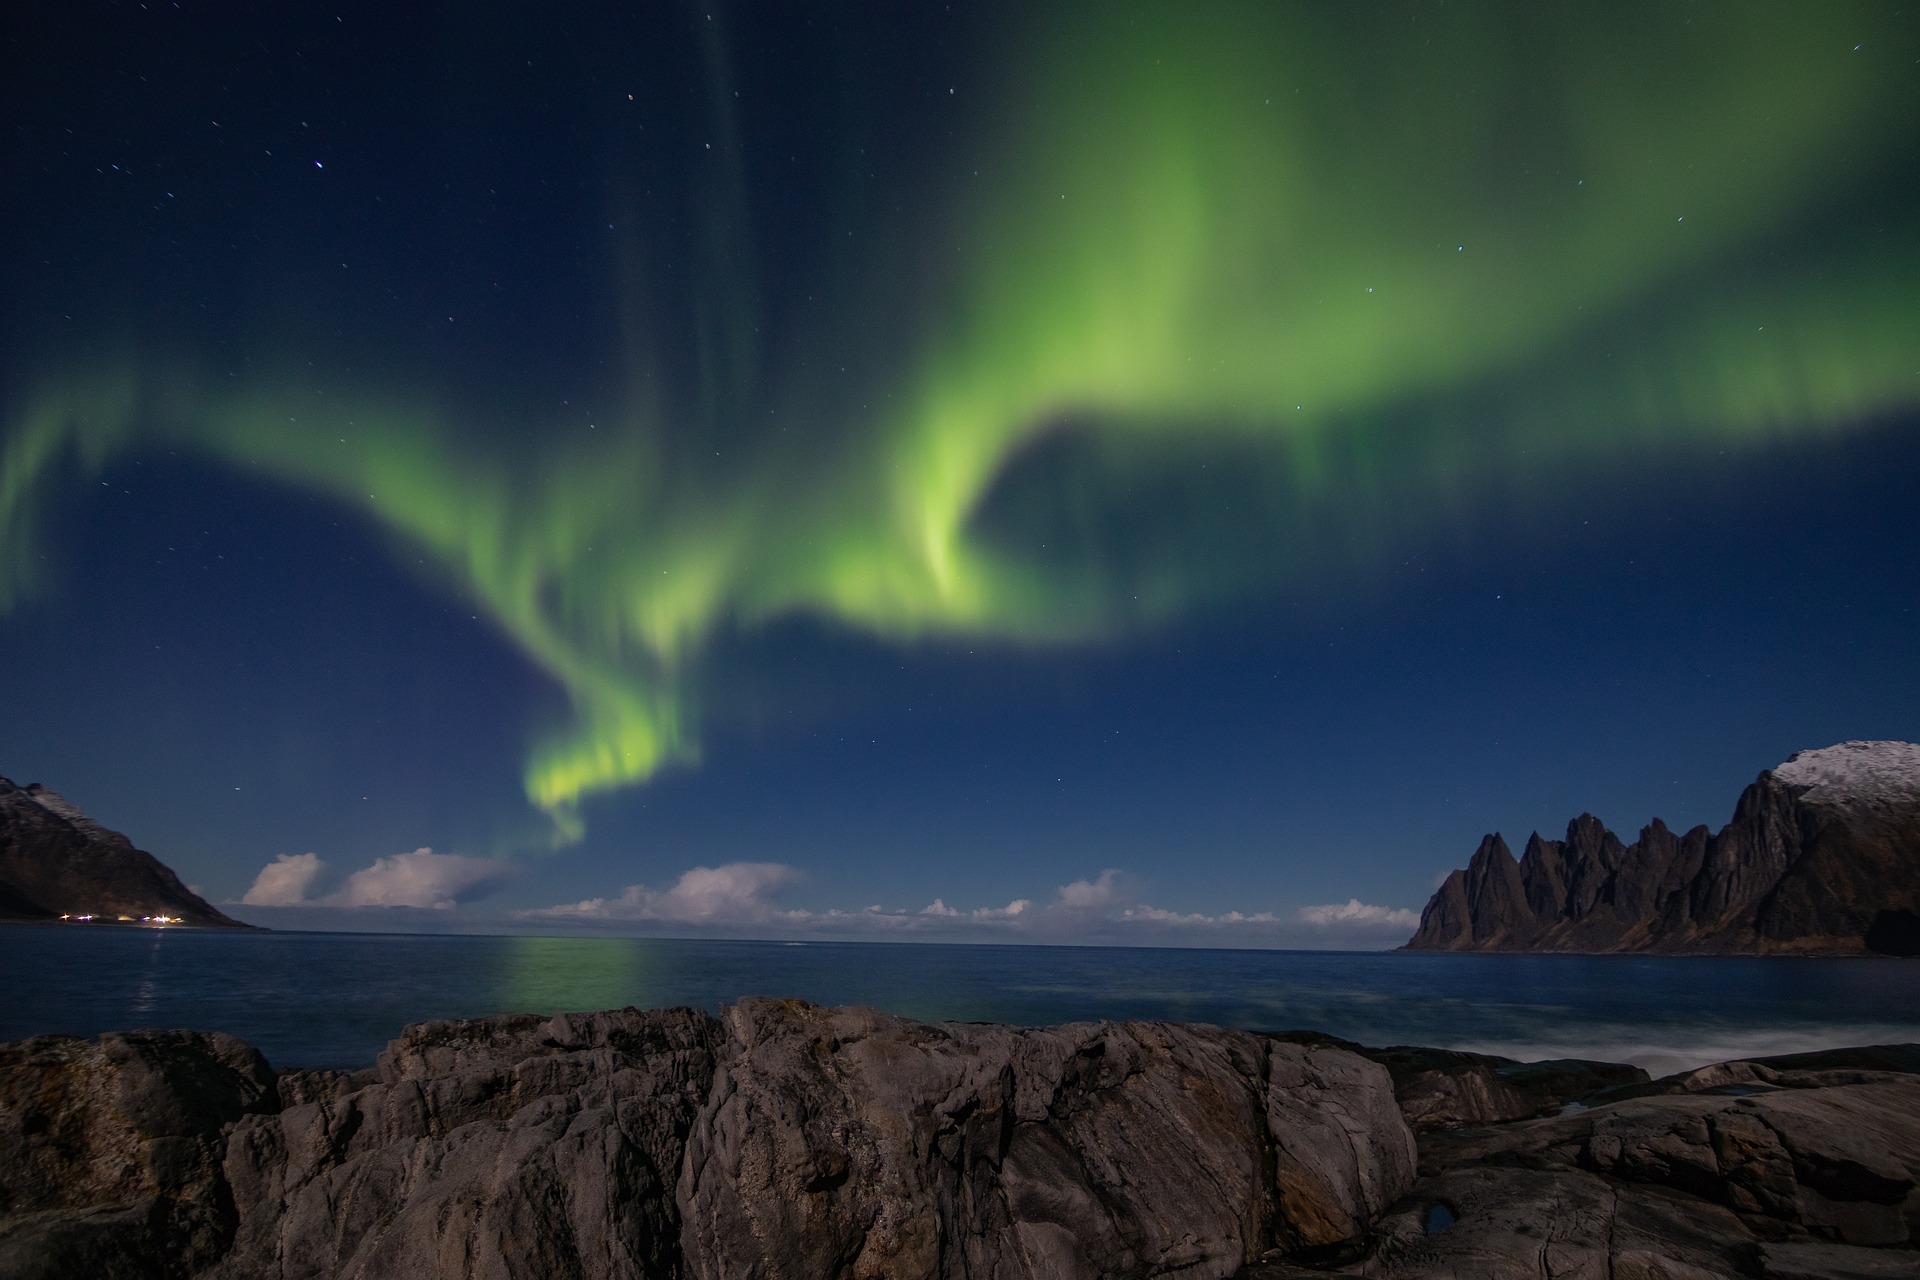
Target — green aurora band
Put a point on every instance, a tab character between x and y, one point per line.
1382	269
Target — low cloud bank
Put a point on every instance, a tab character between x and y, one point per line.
422	889
733	894
421	879
747	899
1354	911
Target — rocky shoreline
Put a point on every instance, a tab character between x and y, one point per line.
782	1139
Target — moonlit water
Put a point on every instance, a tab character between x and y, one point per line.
333	1000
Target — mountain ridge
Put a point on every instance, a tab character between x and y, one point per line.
1822	856
56	862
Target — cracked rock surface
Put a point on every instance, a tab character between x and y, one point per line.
110	1150
780	1140
1745	1169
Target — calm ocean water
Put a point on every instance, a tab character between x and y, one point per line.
330	999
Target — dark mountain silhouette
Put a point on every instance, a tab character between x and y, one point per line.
1822	856
55	861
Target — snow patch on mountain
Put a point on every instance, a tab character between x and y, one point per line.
1856	775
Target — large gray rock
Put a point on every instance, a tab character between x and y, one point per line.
1740	1170
784	1140
110	1151
846	1143
515	1146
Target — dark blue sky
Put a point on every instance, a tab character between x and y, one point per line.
1524	563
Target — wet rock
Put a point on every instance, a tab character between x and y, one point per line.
1449	1088
1860	1065
1446	1089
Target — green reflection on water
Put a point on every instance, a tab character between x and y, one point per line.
567	975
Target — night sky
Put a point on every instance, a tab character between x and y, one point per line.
1105	472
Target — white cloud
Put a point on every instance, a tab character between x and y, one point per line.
1354	911
1157	915
746	896
284	882
422	878
731	894
1091	895
734	891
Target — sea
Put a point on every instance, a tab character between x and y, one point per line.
334	999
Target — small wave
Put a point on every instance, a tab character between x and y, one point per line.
1679	1051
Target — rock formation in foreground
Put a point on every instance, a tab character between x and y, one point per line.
781	1140
56	861
1798	1168
1822	857
786	1140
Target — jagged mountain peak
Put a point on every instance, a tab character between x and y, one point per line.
1822	855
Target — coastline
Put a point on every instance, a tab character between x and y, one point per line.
178	926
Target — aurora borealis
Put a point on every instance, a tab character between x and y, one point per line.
651	336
